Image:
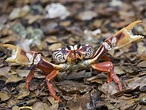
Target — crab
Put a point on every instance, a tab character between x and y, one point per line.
74	57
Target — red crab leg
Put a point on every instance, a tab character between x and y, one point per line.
45	66
30	76
106	58
108	67
50	86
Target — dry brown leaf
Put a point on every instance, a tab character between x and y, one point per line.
136	82
73	86
51	39
13	79
54	103
4	96
16	108
109	88
142	64
22	73
23	93
4	71
55	46
22	108
41	106
118	70
86	15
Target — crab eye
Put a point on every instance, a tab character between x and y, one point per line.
87	51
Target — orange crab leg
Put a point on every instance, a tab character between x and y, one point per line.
45	66
108	67
30	76
106	58
50	71
50	86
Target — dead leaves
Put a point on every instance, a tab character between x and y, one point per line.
73	87
4	96
45	26
142	64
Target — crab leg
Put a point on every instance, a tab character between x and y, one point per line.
119	40
49	70
124	36
19	56
108	67
106	58
30	76
50	86
131	25
22	57
44	65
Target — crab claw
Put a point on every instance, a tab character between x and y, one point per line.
19	56
125	36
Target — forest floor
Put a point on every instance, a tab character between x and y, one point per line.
46	25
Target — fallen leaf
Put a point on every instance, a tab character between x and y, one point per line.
19	12
86	15
16	108
54	103
4	96
41	106
4	71
55	46
23	93
136	82
118	70
13	79
142	64
109	88
26	108
79	102
73	86
22	73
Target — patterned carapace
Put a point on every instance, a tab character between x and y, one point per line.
73	53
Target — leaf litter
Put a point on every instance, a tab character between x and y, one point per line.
47	25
